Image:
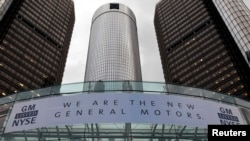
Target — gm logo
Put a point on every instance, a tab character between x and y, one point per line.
227	118
27	116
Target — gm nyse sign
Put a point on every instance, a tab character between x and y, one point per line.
27	116
120	108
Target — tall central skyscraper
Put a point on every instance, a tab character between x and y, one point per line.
113	52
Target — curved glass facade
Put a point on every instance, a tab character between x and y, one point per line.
4	5
114	131
113	52
237	18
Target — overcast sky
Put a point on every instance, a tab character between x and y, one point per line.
149	52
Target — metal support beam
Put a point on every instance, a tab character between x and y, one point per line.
182	131
25	137
153	131
40	135
195	133
57	133
97	131
92	132
127	132
162	130
69	132
170	128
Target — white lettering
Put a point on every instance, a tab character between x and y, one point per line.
216	132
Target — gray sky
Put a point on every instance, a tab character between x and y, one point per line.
149	52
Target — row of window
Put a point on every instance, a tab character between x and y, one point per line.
18	78
198	69
60	8
41	25
178	34
32	57
173	7
47	10
196	45
47	22
181	17
41	53
39	41
23	73
15	61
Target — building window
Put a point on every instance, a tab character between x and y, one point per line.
114	6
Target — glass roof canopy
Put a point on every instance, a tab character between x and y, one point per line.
111	131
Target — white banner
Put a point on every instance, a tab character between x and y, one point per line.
120	108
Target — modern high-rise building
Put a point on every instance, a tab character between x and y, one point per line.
205	43
113	52
154	111
34	42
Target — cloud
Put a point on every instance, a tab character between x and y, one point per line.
149	52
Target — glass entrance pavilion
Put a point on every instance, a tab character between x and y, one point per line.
146	127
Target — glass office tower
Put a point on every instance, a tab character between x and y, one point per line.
205	43
34	42
113	52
